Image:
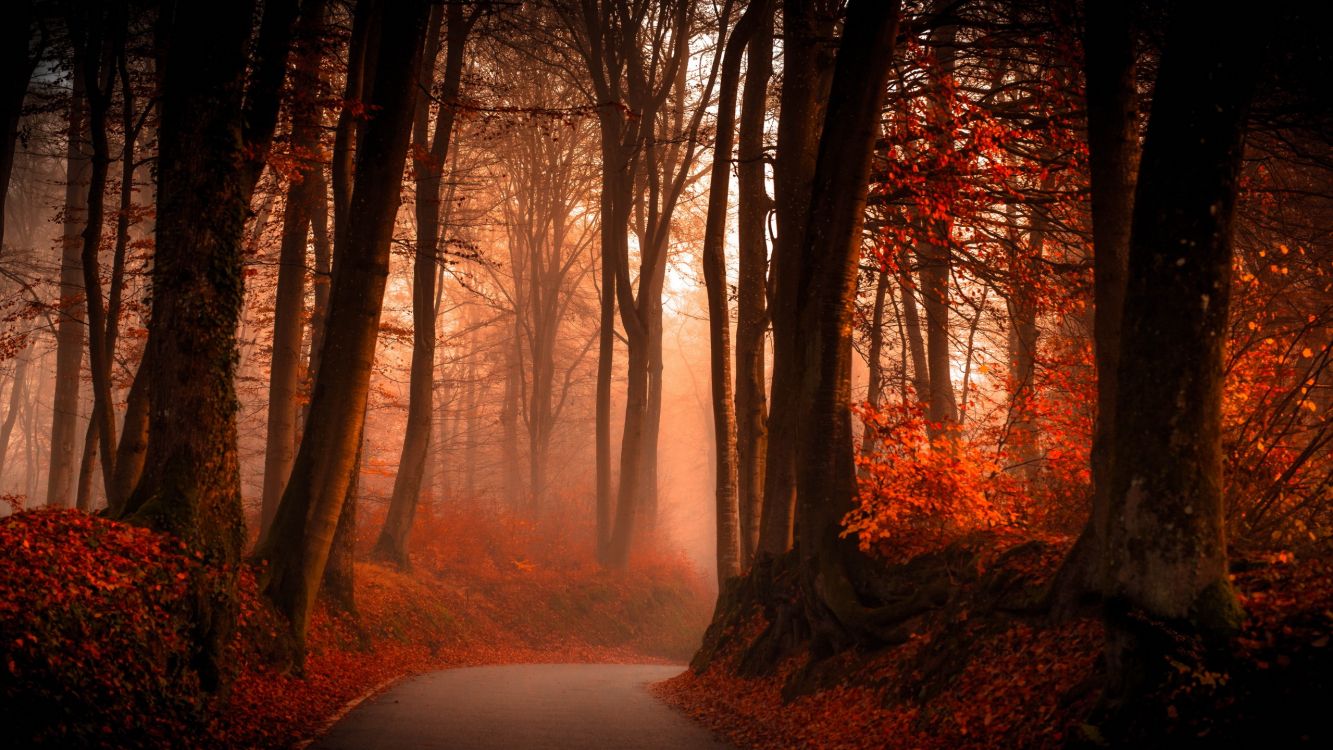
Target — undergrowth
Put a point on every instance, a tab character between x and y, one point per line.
93	640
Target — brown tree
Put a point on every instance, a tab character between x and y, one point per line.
191	483
298	543
428	171
1165	553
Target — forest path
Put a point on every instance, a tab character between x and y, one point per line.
519	707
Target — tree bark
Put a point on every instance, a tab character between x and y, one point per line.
191	480
428	171
875	356
1165	550
16	400
831	248
916	344
751	289
302	194
1165	547
70	328
719	317
297	545
806	78
19	65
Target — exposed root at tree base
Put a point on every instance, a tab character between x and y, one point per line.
988	668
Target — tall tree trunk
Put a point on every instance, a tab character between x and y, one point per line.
297	545
875	355
753	205
831	564
934	263
191	480
101	46
606	348
302	194
916	344
392	542
719	317
807	75
1023	339
17	393
647	488
19	65
1112	105
934	248
70	328
1165	550
118	489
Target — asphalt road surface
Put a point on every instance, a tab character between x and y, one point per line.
522	707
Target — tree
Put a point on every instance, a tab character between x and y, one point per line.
1109	69
729	543
830	252
305	190
20	62
753	206
1165	551
297	544
807	73
191	482
70	333
428	171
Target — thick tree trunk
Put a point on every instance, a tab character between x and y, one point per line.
70	328
1165	550
807	75
191	480
297	545
831	564
751	288
1109	68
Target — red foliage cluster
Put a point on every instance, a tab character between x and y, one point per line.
915	495
93	631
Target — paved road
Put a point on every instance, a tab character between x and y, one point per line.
523	707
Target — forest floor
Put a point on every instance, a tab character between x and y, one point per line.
90	637
976	673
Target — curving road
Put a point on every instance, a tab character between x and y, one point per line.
521	707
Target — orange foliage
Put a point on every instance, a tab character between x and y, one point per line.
914	495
